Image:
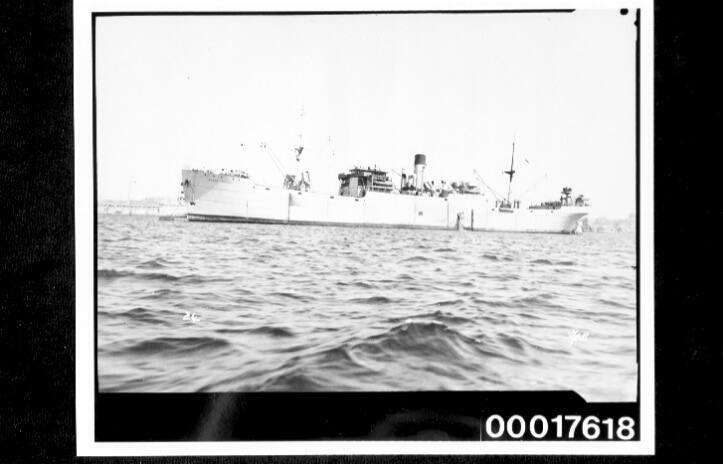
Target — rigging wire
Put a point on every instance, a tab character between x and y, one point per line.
534	185
494	192
274	158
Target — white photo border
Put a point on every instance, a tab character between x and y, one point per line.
85	241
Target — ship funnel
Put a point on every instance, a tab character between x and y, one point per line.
420	162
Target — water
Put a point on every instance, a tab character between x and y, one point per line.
302	308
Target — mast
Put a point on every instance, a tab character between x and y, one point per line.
511	172
300	148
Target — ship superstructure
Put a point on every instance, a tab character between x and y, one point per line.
369	197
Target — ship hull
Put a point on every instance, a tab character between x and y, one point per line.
221	198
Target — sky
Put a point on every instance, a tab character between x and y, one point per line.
208	91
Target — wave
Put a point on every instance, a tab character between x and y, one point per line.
524	302
336	355
177	346
448	303
158	263
532	301
613	303
292	380
435	316
449	318
512	342
277	332
359	284
415	259
493	303
139	314
372	300
112	274
432	340
341	359
291	296
545	349
527	315
554	263
160	293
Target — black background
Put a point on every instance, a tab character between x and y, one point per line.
430	415
37	421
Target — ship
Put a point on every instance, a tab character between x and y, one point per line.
368	197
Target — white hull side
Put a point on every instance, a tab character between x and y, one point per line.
212	197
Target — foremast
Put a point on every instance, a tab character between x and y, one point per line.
511	173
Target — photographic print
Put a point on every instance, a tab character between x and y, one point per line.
312	202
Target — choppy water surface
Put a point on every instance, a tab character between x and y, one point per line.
330	308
